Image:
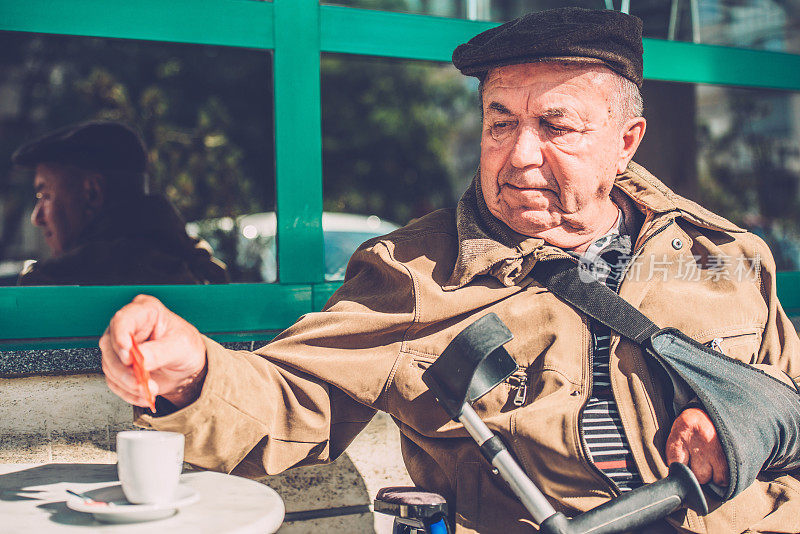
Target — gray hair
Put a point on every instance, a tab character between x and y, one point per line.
626	98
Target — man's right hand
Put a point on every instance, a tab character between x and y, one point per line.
173	351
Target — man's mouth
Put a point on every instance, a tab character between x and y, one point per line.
525	189
534	197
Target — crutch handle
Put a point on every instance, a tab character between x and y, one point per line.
636	508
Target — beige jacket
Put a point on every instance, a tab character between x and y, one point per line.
302	398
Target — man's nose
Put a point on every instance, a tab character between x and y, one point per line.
527	149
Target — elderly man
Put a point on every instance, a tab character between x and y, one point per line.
100	226
585	415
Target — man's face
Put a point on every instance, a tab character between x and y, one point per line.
61	208
550	150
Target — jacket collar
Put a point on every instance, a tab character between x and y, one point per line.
650	194
487	246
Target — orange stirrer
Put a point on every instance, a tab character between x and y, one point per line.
142	375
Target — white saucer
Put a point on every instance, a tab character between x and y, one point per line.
119	510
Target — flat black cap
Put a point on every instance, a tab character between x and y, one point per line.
575	33
99	145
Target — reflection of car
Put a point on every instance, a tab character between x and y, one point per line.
247	244
9	271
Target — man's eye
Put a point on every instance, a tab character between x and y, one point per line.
500	129
555	130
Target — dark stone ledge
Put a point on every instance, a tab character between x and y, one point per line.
19	363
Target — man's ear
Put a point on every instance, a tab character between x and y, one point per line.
631	135
93	190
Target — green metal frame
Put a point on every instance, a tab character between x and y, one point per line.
297	31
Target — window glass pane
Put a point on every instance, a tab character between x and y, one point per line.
759	24
400	139
205	116
749	163
733	150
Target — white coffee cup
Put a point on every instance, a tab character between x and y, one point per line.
149	465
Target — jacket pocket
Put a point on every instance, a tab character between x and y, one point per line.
742	346
512	392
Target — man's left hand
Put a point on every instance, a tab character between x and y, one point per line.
693	441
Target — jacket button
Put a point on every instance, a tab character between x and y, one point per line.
677	243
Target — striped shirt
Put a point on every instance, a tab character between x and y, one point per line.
601	425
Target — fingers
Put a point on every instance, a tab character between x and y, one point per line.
677	450
719	465
722	476
138	319
112	364
693	441
154	352
122	387
701	468
173	352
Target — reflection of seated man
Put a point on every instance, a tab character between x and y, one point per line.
99	223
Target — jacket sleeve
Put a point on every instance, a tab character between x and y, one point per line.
304	396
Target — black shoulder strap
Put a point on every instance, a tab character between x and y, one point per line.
563	279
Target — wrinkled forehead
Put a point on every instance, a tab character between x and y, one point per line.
548	73
54	175
584	88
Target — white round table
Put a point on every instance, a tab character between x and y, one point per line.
33	500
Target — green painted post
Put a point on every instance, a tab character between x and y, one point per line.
789	291
698	63
298	141
214	22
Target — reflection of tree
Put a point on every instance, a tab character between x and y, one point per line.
183	99
748	171
399	137
390	132
204	112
